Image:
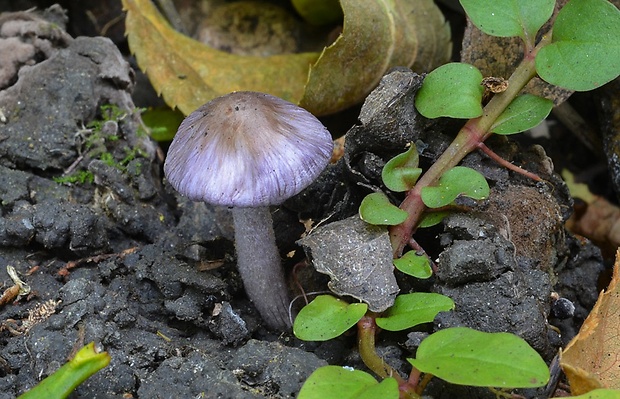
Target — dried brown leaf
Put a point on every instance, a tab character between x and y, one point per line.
358	263
600	222
188	73
434	37
377	35
592	359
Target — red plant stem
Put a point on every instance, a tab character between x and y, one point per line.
471	135
465	142
414	377
491	154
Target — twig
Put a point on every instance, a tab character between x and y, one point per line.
94	259
19	288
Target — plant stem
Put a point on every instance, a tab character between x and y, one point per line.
86	362
366	332
425	380
469	138
517	169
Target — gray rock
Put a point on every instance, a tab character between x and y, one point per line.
277	369
190	377
228	326
490	291
55	128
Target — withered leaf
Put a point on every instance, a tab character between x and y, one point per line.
377	35
188	73
358	258
591	359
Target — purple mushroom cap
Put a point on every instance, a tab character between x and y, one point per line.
247	149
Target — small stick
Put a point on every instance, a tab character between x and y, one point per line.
95	259
19	288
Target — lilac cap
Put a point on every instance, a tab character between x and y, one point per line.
247	149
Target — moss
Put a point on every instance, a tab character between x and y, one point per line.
79	177
92	143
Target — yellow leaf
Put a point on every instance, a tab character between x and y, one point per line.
377	35
577	190
188	73
592	359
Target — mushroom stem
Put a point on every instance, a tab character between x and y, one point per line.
259	264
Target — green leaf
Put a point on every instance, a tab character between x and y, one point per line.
162	123
523	113
401	172
464	356
327	317
414	265
377	209
453	90
506	18
87	361
388	388
585	49
455	182
600	394
335	382
432	218
409	310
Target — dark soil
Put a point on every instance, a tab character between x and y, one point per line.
122	260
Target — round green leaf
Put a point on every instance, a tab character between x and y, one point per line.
409	310
335	382
452	90
585	49
432	218
327	317
523	113
401	172
162	122
464	356
377	209
414	265
388	389
506	18
459	180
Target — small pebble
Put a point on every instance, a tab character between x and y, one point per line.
562	308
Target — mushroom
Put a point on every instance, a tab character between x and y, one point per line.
249	150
